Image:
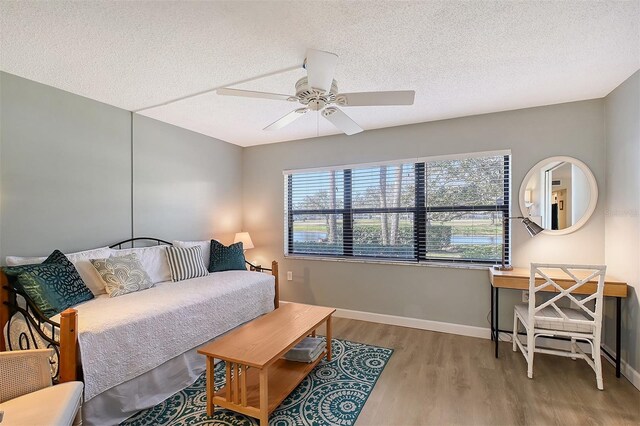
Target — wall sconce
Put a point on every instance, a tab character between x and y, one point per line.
532	228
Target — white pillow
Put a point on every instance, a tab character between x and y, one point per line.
153	260
205	246
19	260
80	260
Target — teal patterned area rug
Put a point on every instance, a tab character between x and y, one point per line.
333	393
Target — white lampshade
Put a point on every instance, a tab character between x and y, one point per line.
245	239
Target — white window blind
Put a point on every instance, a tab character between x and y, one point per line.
443	209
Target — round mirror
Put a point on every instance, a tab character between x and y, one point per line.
559	194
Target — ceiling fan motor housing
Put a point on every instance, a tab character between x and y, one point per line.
315	99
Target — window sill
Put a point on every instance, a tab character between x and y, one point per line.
451	265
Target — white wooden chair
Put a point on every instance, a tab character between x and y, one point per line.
27	396
542	318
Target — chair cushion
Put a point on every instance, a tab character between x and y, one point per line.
53	405
548	319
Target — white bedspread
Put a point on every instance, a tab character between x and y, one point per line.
123	337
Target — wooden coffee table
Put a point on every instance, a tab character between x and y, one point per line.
258	379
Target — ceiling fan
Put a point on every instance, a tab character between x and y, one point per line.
318	91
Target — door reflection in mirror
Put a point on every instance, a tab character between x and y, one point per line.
558	193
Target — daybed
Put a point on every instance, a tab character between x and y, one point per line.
135	350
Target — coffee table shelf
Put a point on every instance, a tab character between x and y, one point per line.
284	377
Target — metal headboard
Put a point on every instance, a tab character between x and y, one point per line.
252	267
132	240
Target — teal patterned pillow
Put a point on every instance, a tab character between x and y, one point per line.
53	285
223	258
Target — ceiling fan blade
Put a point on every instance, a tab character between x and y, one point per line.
251	94
287	119
341	120
321	67
398	97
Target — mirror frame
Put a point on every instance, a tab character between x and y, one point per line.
593	186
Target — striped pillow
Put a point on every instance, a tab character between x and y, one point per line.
186	263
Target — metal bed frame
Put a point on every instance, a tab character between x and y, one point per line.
65	365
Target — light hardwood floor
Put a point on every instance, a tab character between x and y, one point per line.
444	379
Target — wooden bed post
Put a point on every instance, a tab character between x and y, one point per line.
4	308
274	272
68	361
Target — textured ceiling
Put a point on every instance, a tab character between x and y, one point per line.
461	58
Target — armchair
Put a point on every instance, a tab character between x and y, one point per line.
27	395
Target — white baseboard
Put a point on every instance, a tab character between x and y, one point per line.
467	330
627	371
422	324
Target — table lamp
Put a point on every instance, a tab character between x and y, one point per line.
245	239
532	228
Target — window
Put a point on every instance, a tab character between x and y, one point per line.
447	209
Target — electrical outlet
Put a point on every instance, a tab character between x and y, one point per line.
525	296
289	276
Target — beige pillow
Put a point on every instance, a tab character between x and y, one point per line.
122	274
